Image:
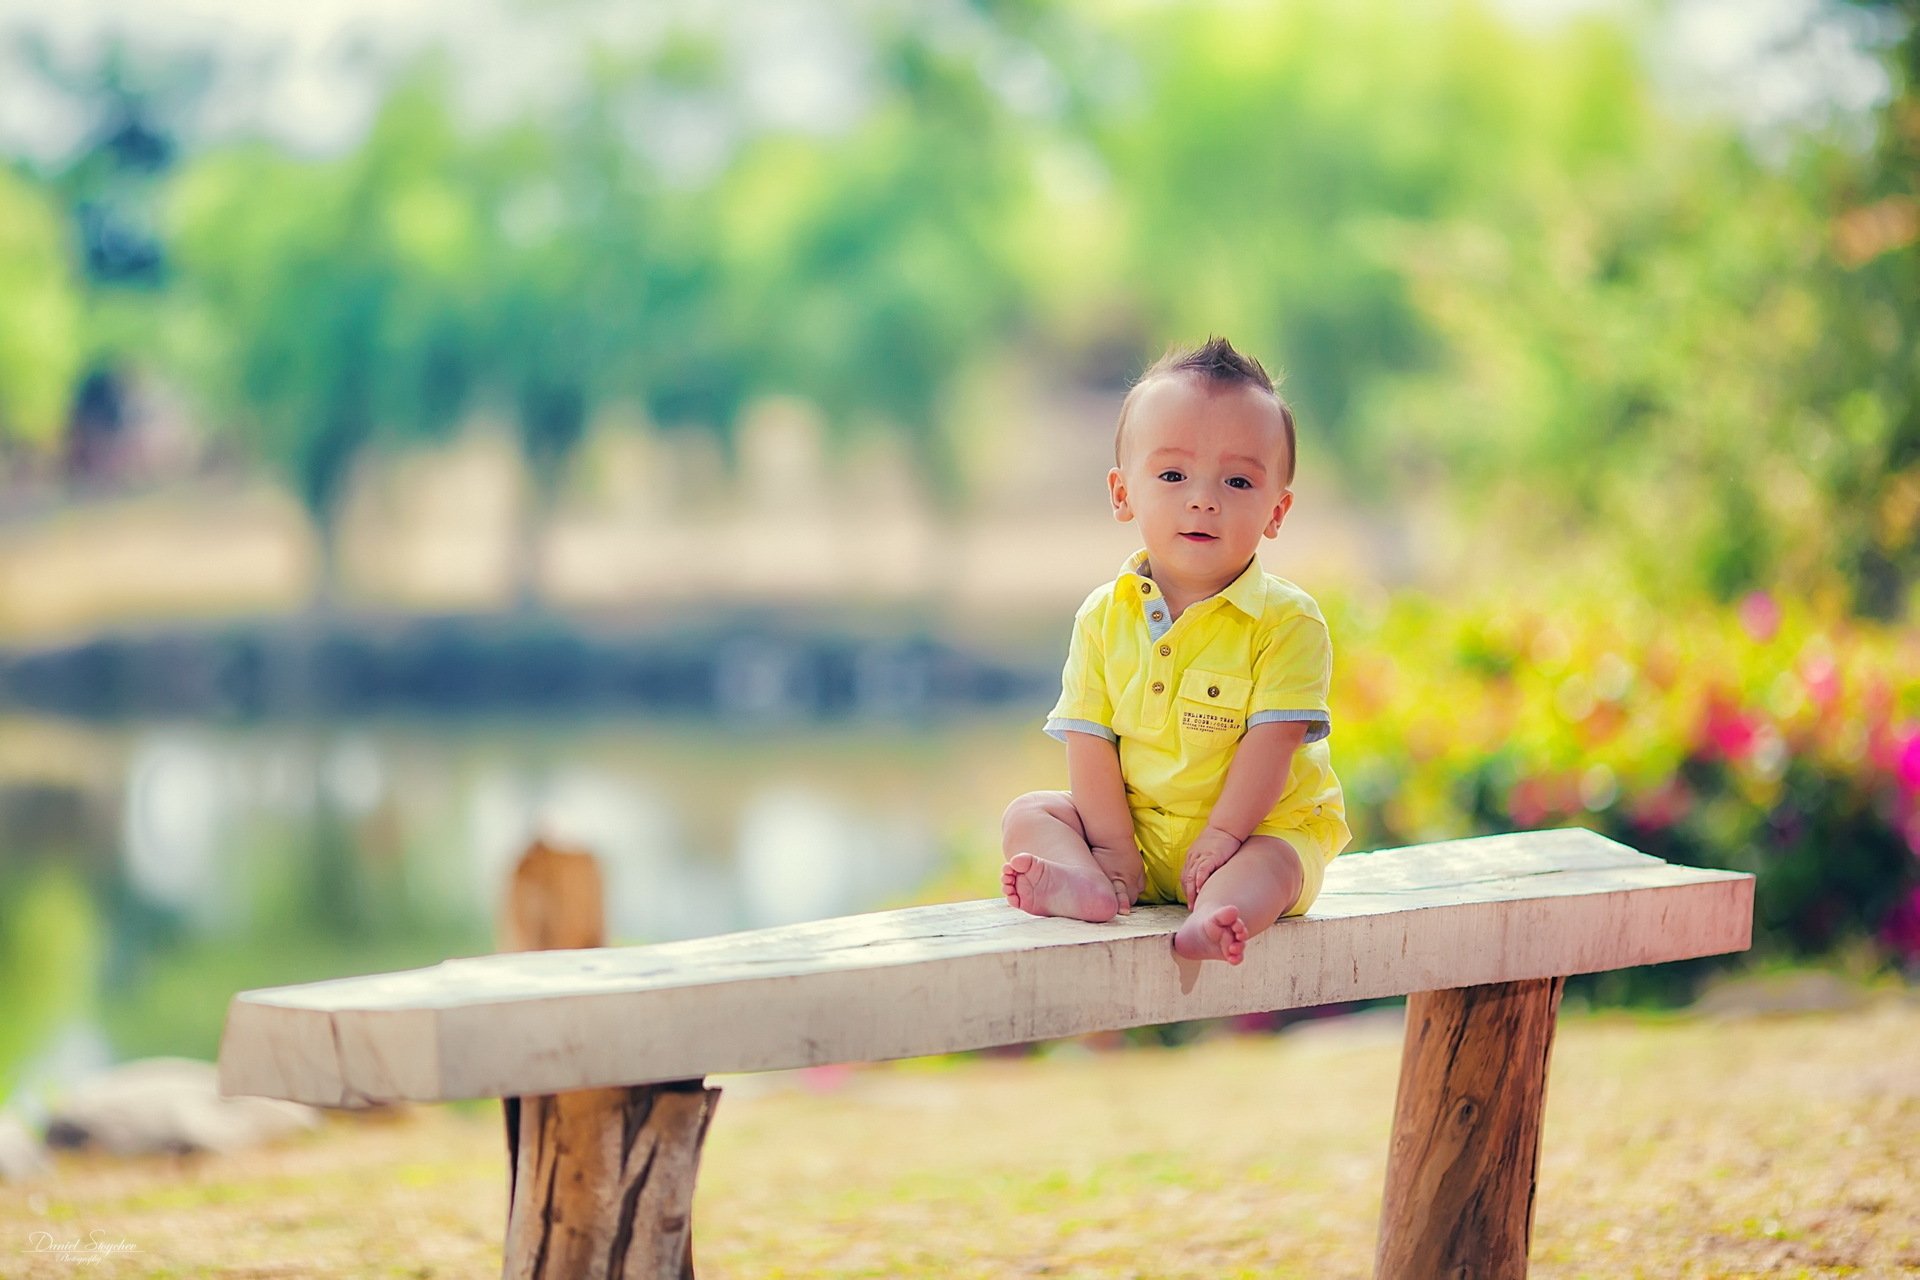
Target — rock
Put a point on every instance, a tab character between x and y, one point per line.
21	1155
168	1105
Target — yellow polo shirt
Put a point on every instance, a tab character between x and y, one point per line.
1178	696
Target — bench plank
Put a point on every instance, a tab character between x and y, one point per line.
967	975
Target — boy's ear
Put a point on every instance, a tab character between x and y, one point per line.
1117	490
1280	509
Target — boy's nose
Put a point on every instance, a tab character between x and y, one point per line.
1202	502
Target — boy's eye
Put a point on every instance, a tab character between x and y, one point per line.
1173	476
1241	482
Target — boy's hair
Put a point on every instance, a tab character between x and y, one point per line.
1217	362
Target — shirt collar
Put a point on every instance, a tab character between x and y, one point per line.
1247	593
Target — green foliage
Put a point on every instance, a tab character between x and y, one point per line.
177	1005
875	262
1646	362
322	899
604	284
1499	272
50	950
40	318
1680	356
1274	162
333	301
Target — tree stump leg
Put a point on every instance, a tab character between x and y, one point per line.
602	1183
599	1181
1465	1158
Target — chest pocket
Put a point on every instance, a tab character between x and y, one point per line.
1213	708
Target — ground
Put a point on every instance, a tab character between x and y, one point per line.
1675	1146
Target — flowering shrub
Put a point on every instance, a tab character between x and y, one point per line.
1773	738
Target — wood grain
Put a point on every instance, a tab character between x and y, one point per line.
1464	1163
555	900
606	1182
599	1181
968	975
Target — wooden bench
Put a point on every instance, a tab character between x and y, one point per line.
1479	933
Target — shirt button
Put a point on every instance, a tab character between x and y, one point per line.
1158	687
1213	691
1157	615
1146	589
1165	649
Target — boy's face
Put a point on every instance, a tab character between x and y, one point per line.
1203	470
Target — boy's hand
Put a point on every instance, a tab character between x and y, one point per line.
1209	852
1109	858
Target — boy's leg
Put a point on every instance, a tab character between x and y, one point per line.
1244	897
1050	870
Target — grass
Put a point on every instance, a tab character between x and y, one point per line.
1673	1147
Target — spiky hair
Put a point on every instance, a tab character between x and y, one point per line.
1216	361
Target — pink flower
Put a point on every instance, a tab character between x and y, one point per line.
1528	804
1663	807
1760	615
1822	680
1877	701
1906	762
1729	732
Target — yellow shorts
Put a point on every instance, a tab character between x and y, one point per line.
1165	838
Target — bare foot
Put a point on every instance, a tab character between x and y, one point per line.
1220	936
1044	888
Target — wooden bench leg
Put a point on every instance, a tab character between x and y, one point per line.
1465	1157
601	1182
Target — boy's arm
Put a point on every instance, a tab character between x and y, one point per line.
1100	796
1256	780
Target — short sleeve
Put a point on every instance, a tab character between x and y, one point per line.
1084	704
1291	675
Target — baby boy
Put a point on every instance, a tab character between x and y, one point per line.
1194	700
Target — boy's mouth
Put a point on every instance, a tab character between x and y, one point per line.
1199	537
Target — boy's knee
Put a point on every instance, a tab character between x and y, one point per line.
1038	804
1275	858
1286	867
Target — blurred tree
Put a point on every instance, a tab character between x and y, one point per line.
1872	354
603	283
1664	352
1491	263
549	328
333	303
1270	155
40	319
874	266
131	101
1616	371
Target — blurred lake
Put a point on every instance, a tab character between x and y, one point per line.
156	867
